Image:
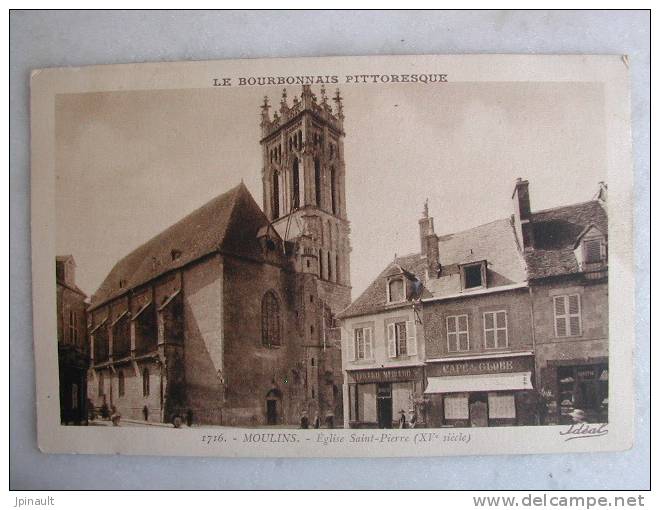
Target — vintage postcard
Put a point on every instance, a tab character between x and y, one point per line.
347	256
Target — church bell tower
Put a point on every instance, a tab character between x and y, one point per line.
304	193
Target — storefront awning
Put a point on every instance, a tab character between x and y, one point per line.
481	382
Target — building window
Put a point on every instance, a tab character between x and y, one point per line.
593	252
333	189
73	330
145	382
337	279
568	311
295	203
495	330
395	290
401	340
363	343
329	267
473	276
458	335
317	181
320	264
276	195
120	382
270	320
101	385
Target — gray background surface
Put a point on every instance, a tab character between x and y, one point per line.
66	38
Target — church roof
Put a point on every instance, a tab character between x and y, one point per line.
227	223
555	234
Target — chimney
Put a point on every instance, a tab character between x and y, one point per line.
429	241
522	214
425	227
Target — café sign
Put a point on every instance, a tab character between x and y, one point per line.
481	366
384	375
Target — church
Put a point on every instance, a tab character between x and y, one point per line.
227	316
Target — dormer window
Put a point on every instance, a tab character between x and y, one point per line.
473	276
590	249
396	290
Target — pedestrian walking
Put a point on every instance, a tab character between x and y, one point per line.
402	419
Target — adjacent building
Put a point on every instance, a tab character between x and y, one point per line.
72	345
501	324
383	347
565	250
227	317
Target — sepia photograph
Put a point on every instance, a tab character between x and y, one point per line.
337	251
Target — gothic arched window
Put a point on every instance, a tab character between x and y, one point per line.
276	195
120	382
270	320
145	382
333	190
317	181
296	185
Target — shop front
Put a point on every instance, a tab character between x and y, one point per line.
481	391
377	396
577	384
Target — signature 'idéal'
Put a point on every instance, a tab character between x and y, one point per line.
583	430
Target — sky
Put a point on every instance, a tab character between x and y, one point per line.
131	163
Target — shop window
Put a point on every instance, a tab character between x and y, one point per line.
501	406
568	315
473	276
495	330
456	407
120	382
583	387
145	383
270	320
458	336
401	340
396	290
363	343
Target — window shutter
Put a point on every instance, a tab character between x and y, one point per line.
391	341
592	250
560	312
368	343
350	347
410	339
561	326
574	311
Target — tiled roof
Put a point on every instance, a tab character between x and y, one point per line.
228	223
555	233
494	242
374	298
